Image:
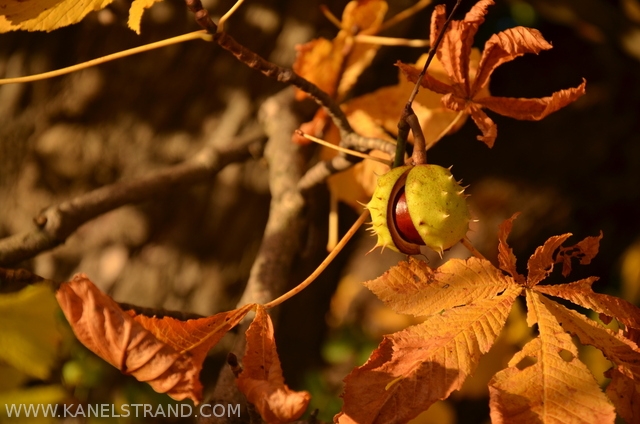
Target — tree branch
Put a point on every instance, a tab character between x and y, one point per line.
272	268
56	223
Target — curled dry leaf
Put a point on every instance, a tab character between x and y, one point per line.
465	92
261	380
164	352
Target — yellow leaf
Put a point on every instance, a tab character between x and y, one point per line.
624	392
614	346
53	15
414	368
41	397
29	335
414	288
580	293
135	13
557	388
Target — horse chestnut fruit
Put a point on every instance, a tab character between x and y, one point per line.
414	206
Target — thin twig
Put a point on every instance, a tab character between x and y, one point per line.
197	35
342	149
466	243
401	16
403	125
58	222
432	53
271	70
330	257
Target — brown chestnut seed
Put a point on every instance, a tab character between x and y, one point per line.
403	220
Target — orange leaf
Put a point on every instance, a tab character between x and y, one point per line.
335	65
506	46
166	353
414	288
585	250
614	346
541	262
506	258
414	368
533	109
624	392
261	379
556	388
580	293
468	92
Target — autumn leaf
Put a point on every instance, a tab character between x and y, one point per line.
334	65
624	392
414	288
47	15
465	304
164	352
556	388
414	368
464	92
261	380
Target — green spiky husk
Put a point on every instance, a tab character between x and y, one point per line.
436	203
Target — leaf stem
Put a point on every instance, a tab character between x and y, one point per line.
466	243
311	278
342	149
202	35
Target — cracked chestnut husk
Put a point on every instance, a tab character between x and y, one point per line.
420	205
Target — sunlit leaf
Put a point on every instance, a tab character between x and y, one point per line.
414	368
261	379
164	352
545	382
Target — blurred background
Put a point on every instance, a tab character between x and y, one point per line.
191	249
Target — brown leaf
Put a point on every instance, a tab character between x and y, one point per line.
414	288
506	46
581	293
335	65
261	380
414	368
166	353
506	258
556	388
533	109
584	250
467	92
624	392
614	346
541	262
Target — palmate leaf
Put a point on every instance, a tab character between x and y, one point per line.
466	303
414	368
558	388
